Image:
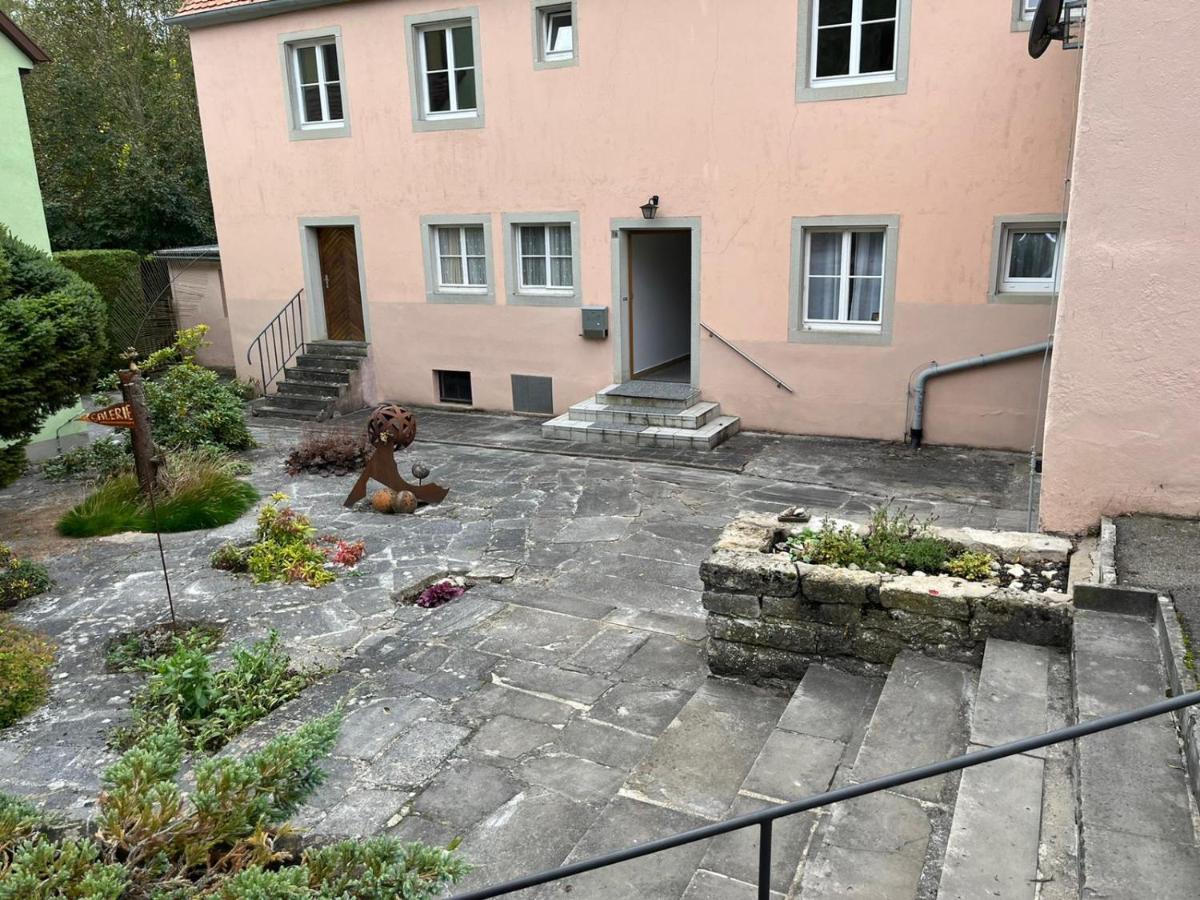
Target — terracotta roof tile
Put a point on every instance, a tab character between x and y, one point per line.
195	6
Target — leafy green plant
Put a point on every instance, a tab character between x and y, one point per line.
20	579
209	706
52	338
12	461
109	271
91	462
182	349
197	489
288	550
192	407
137	652
221	840
892	540
972	565
25	661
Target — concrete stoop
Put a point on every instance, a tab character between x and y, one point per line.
646	414
323	379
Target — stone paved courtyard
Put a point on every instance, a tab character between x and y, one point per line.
513	716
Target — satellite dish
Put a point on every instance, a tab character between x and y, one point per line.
1047	26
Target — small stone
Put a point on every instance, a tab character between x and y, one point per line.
1016	570
1049	574
919	574
853	567
994	565
1017	586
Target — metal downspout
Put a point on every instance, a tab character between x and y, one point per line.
972	362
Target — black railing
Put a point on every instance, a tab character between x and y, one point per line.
281	340
764	818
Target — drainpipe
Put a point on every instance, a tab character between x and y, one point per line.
971	362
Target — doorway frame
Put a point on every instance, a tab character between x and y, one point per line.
620	230
314	291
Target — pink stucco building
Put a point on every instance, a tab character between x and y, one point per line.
848	191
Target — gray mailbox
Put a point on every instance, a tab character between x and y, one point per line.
595	322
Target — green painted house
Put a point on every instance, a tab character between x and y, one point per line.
20	197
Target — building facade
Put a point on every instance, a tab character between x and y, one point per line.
1123	414
848	190
21	209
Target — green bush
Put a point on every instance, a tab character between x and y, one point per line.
191	406
91	462
197	489
52	337
25	661
12	461
891	541
286	549
109	271
220	840
20	579
211	707
138	652
971	565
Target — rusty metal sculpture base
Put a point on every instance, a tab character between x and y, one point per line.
382	467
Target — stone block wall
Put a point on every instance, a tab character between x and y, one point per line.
770	617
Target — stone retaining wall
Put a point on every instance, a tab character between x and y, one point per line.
769	616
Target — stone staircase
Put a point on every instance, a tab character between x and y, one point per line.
1110	816
645	414
323	379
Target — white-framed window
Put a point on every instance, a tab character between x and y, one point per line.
556	29
1028	8
448	70
461	256
843	279
317	77
1030	259
545	258
853	42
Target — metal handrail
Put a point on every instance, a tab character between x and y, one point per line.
763	818
778	381
279	341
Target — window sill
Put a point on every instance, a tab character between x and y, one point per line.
817	91
838	334
556	62
449	122
441	295
545	298
1035	298
320	132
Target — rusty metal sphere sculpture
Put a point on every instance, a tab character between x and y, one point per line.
393	424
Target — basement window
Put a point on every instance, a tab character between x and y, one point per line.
454	387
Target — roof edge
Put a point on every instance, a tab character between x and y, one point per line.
24	42
245	12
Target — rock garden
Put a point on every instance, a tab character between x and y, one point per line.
780	594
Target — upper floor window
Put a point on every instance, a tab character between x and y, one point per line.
558	35
315	84
443	51
1028	8
855	41
852	48
319	83
1031	260
448	70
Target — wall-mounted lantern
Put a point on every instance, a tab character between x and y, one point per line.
650	209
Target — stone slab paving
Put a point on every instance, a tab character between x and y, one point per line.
514	716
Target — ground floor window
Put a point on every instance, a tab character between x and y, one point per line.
843	277
1031	259
454	387
546	259
462	256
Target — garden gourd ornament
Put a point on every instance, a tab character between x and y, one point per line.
389	429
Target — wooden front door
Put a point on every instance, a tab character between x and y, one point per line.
339	284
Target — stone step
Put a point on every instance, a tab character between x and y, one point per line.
996	830
712	433
329	361
301	403
662	394
690	417
310	374
876	846
272	411
293	387
815	737
1135	811
337	348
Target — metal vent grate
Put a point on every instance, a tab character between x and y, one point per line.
533	394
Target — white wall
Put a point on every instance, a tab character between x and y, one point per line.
661	265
